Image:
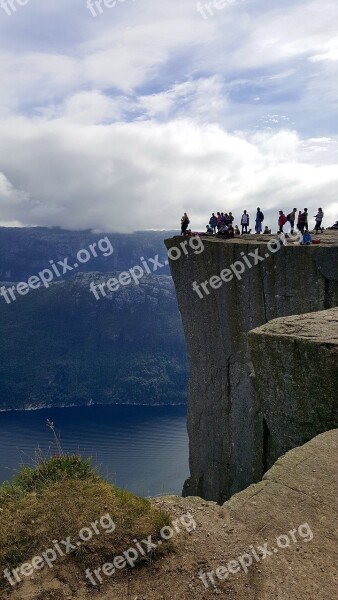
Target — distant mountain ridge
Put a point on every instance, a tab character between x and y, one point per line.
27	250
62	347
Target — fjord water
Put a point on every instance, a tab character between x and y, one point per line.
143	449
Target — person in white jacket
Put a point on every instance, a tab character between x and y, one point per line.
319	218
245	222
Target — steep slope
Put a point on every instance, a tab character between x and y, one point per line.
60	346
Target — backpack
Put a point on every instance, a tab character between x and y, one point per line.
261	216
288	217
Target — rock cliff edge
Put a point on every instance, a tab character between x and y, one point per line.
247	282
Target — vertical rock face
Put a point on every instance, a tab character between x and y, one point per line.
224	419
296	379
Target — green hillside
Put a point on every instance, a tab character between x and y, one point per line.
60	346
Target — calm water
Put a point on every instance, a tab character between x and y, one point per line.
142	449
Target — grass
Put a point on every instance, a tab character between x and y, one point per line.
58	498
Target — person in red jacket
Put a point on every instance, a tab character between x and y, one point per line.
281	221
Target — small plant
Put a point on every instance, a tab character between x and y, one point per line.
56	468
50	424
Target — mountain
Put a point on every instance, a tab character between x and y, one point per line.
26	251
62	345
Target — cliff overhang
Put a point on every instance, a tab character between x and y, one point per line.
224	292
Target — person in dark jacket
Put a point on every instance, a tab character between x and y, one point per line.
259	221
213	222
291	218
303	221
184	223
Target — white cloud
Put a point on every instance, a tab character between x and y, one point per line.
330	52
201	98
124	121
129	176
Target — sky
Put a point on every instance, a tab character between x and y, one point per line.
119	115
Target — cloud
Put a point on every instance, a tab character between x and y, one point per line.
139	175
204	98
125	120
330	52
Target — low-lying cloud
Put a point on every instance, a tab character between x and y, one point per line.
124	121
128	176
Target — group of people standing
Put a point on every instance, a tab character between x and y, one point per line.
302	220
222	223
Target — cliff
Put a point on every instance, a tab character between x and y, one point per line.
247	282
295	362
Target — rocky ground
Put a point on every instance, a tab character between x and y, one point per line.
290	517
329	237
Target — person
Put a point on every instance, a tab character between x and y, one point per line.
226	232
299	221
228	219
209	229
245	222
303	222
281	221
213	223
259	221
237	231
231	231
267	230
291	217
222	221
319	217
218	218
222	230
306	239
184	223
282	238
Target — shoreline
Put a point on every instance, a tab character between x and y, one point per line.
35	408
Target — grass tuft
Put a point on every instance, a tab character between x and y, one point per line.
58	498
55	469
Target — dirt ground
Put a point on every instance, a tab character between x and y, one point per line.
289	517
